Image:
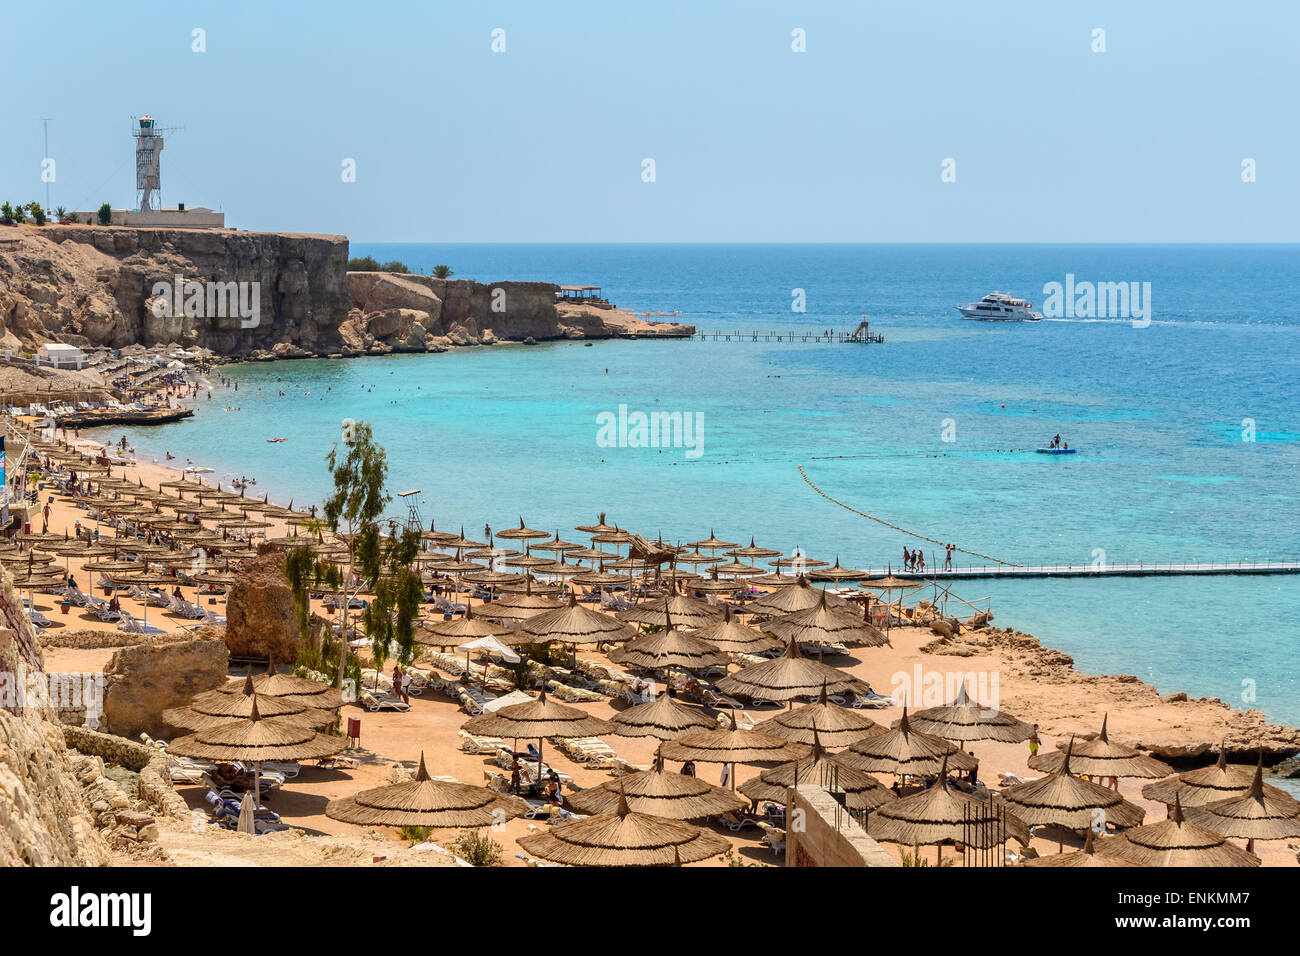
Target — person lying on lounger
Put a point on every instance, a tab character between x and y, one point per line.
227	775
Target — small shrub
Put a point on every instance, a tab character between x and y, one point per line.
363	264
396	266
105	214
476	849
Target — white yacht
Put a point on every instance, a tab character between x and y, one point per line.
1000	307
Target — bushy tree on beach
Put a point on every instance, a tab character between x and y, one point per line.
359	469
442	272
389	619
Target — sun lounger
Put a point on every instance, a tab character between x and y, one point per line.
743	720
377	702
185	608
472	744
773	836
338	763
132	626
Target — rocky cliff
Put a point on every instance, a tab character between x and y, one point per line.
263	295
45	819
95	287
412	313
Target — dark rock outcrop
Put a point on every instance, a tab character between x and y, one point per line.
260	619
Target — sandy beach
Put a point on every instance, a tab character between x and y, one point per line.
1033	683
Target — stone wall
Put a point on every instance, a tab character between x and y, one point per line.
155	779
821	833
141	682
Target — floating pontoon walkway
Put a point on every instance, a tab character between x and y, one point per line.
793	335
1088	571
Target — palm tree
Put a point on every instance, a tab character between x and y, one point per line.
442	272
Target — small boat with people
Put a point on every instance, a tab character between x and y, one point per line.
1057	447
1000	307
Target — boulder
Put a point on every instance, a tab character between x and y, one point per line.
141	682
260	619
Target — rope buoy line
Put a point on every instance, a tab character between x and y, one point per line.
887	524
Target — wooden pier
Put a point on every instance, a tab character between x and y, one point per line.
793	335
1139	570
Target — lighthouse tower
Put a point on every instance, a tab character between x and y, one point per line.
148	156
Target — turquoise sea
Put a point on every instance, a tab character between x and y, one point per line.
1188	429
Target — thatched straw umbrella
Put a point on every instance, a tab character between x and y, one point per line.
965	720
668	648
1196	788
730	635
624	838
861	790
713	543
799	595
521	533
905	752
1176	842
835	726
942	815
825	624
213	707
459	631
1087	857
570	624
661	793
787	677
1099	757
520	605
753	551
255	739
538	719
685	611
274	684
662	718
1066	801
424	802
837	573
1254	816
730	745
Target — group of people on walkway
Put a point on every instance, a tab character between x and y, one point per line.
914	559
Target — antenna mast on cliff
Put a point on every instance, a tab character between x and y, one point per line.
148	158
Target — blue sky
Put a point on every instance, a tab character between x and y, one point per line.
751	141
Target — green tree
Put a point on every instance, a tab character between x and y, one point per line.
442	272
6	211
359	470
16	214
395	266
363	264
105	215
60	213
389	619
38	213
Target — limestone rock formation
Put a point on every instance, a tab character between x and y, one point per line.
141	682
260	619
93	286
44	817
111	286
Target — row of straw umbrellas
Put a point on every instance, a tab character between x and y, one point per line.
646	819
696	635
